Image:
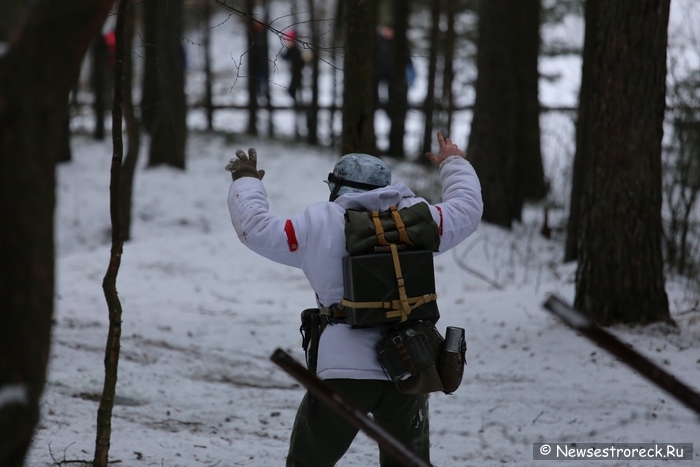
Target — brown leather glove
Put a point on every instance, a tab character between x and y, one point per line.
245	165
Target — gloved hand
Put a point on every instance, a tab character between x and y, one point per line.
245	165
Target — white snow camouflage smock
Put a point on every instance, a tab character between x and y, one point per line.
315	242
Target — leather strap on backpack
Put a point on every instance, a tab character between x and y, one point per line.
400	226
404	305
378	229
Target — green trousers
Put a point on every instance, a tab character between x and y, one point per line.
322	440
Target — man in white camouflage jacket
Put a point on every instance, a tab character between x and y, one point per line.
315	242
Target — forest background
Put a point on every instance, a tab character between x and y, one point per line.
238	111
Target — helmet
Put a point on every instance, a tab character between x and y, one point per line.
356	173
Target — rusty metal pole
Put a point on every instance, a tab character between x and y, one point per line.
627	355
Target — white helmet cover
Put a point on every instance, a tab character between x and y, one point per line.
357	173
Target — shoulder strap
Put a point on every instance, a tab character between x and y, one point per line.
378	229
403	236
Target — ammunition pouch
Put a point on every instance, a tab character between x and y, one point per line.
417	360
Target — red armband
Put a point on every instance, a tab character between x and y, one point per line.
291	236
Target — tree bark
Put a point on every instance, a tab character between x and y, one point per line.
337	41
133	127
13	12
36	74
448	68
358	87
98	79
504	143
312	111
527	52
429	104
150	94
590	45
208	79
620	273
266	64
254	74
63	153
398	87
491	141
109	283
169	131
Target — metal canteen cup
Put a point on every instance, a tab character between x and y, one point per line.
452	359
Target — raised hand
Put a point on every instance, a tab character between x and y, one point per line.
447	149
245	165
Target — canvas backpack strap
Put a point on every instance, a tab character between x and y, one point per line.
400	226
379	230
334	313
405	308
393	306
413	302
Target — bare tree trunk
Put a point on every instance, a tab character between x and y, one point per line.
109	283
448	69
337	41
398	87
64	153
268	101
133	127
150	94
208	80
504	143
298	95
254	74
358	87
491	139
312	111
13	12
590	44
620	275
98	78
527	50
169	130
36	75
429	104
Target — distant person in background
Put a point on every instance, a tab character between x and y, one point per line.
385	40
110	40
260	71
293	55
102	70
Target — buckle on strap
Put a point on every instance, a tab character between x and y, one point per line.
334	311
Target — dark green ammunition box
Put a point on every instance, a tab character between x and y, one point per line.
372	278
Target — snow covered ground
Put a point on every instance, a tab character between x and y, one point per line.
202	315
